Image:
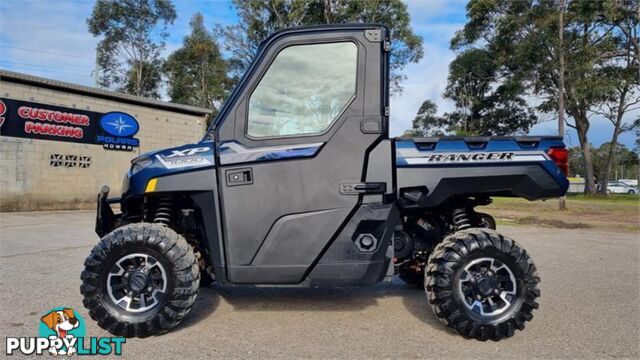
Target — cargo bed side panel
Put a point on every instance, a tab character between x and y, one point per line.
448	167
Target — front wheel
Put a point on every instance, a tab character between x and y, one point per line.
631	192
481	284
140	280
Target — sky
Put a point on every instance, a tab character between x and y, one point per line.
49	38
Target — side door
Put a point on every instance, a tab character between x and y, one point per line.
296	130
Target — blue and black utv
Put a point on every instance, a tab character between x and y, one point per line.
298	183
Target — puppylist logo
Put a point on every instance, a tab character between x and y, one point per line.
62	332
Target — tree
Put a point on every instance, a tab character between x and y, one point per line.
576	163
523	37
197	72
635	127
625	68
133	33
624	163
486	102
260	18
144	79
426	122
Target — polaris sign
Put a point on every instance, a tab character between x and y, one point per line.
120	128
26	119
119	124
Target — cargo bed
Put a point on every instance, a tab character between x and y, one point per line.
432	170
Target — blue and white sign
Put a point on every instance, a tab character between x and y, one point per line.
119	129
119	124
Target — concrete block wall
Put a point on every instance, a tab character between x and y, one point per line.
28	181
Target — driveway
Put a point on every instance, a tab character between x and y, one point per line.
588	309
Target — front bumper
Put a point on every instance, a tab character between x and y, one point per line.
106	219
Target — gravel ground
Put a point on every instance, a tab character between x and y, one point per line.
589	305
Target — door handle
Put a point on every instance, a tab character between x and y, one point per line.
363	188
235	177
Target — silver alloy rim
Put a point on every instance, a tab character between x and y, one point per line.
502	294
135	300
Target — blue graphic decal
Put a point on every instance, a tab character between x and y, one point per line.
119	124
184	158
234	153
412	153
447	152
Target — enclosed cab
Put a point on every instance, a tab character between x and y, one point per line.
298	183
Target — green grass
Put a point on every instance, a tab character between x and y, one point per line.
599	199
609	198
615	212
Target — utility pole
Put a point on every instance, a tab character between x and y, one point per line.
563	199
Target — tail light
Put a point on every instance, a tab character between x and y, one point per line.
560	157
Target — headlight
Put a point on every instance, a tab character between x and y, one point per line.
140	164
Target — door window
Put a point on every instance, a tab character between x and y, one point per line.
304	90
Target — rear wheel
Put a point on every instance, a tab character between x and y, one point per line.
481	284
140	280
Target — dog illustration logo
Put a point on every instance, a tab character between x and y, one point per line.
61	321
62	331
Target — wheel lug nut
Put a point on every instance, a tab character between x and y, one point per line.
149	289
496	291
478	297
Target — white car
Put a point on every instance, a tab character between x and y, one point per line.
616	187
630	182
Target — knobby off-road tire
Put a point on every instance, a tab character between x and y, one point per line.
131	253
449	286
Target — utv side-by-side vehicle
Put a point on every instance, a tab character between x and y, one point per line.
297	183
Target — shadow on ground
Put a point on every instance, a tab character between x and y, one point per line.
205	305
286	299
